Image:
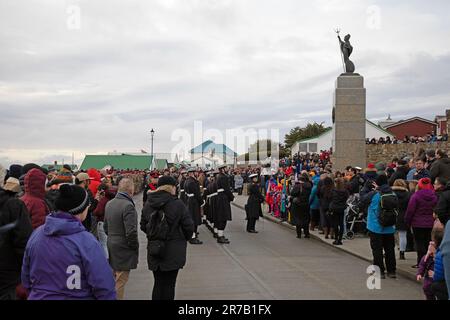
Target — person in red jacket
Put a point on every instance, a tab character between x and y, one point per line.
34	197
96	180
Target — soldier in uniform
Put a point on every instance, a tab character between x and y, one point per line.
253	207
194	201
182	193
208	196
223	207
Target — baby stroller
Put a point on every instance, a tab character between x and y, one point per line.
355	220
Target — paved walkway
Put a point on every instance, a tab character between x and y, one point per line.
272	264
359	246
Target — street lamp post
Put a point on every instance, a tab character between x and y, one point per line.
152	132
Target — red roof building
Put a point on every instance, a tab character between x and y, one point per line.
416	126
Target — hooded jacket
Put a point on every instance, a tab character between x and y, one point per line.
373	212
420	209
314	202
34	197
63	261
96	180
440	168
181	228
13	241
442	208
403	196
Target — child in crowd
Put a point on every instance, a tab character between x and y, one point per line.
431	270
438	286
426	269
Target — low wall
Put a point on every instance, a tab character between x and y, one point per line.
385	152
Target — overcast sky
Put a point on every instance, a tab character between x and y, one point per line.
101	84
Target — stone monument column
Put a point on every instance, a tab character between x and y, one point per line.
349	122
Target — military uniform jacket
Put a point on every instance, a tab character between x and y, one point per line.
182	191
224	197
193	198
255	199
210	198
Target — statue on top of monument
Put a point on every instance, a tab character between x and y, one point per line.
346	50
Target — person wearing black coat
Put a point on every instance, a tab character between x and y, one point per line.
400	188
353	184
299	200
400	173
181	227
442	209
194	201
15	229
339	197
222	209
182	194
324	193
253	207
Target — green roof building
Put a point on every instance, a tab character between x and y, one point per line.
160	164
119	162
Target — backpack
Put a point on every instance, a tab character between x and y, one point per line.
157	233
388	209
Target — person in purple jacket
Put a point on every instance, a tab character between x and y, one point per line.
62	259
419	216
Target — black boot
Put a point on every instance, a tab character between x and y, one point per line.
402	255
299	232
195	241
222	240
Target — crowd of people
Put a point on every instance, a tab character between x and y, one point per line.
429	138
47	215
408	196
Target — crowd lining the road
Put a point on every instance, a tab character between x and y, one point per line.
304	191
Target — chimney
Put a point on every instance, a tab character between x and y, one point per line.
56	163
447	113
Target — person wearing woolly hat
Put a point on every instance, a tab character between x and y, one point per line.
15	171
381	167
181	227
50	265
419	215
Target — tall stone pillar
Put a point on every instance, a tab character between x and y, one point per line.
349	122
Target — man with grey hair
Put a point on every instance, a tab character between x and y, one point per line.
120	224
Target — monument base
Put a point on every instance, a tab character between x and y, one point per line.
349	141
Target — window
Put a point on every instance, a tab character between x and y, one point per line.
303	147
312	147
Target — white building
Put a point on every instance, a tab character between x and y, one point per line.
211	155
325	140
170	157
